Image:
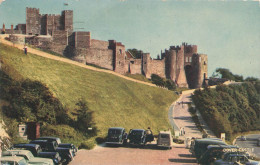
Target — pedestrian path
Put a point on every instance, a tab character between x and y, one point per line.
181	119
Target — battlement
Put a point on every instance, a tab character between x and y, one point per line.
177	48
32	9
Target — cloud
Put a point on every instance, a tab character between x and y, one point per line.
122	0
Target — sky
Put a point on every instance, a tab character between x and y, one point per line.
228	31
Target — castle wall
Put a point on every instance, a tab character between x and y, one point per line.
82	39
119	58
135	66
146	64
157	67
100	57
98	44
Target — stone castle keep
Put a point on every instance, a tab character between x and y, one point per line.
182	64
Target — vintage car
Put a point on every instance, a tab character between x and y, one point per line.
235	159
30	159
139	136
165	139
258	142
243	138
70	146
13	160
200	145
116	135
34	148
55	156
65	154
45	145
50	139
215	152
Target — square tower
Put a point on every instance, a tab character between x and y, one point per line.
33	21
67	20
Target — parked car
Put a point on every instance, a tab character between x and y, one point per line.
55	156
200	145
34	148
139	136
214	152
30	159
50	139
65	154
46	145
258	142
235	159
165	139
13	160
70	146
116	135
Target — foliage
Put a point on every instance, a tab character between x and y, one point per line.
136	53
169	84
225	73
230	109
84	121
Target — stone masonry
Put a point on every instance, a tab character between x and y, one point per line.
182	64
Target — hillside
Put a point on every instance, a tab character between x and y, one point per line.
115	101
230	109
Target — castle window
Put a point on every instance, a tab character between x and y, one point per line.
200	59
190	59
205	63
187	59
120	51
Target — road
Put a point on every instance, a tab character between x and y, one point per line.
134	155
250	143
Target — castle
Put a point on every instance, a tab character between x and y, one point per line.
182	64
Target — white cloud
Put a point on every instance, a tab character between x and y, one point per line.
122	0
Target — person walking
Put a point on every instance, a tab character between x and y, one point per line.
25	49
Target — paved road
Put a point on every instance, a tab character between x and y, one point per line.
133	155
250	143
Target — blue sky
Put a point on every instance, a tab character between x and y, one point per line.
227	31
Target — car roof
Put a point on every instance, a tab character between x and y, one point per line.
26	144
138	130
24	152
120	128
221	146
11	158
165	132
65	144
48	153
48	137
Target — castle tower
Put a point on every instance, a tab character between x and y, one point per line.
118	56
180	72
67	20
189	50
172	66
200	70
33	21
145	64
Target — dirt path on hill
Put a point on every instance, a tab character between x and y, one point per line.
66	60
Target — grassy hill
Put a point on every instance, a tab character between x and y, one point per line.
114	100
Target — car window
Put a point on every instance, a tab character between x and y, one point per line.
117	132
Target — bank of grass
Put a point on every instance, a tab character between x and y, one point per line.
138	77
116	102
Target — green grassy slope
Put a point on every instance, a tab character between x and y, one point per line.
115	101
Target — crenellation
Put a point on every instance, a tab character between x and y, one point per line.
181	63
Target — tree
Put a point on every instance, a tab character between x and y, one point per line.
136	53
225	73
84	121
157	80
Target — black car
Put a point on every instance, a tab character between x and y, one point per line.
45	145
34	148
139	136
116	135
55	156
70	146
65	154
50	139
